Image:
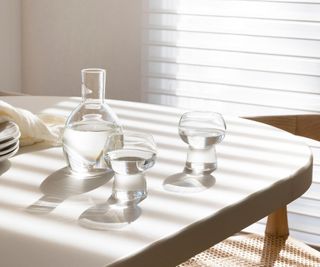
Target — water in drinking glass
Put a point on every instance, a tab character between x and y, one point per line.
201	138
130	161
202	157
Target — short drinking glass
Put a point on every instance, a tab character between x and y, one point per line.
129	160
128	155
201	130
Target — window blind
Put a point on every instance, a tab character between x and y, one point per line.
236	57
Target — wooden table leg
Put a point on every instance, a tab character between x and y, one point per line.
277	223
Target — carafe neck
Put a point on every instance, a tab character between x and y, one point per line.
93	85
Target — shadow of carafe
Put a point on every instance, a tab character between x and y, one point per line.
63	184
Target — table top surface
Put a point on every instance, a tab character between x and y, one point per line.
260	169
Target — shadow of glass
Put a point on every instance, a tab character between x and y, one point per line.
187	183
4	166
110	215
63	184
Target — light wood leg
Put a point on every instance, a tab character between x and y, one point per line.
277	223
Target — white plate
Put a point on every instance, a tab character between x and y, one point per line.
9	148
8	142
8	130
10	154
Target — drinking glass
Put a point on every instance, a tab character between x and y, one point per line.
136	155
129	155
201	130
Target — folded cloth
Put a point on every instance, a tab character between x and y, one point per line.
33	129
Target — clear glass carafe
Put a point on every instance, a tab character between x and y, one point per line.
89	126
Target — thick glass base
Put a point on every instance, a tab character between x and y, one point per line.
125	197
199	168
128	188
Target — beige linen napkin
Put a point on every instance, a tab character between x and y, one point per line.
34	129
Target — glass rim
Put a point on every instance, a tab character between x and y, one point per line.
93	70
197	113
139	135
202	116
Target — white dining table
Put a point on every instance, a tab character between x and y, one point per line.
260	169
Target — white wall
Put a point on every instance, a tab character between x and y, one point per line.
61	37
10	45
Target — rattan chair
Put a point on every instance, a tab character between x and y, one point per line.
275	248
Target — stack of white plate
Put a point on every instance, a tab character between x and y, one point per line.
9	139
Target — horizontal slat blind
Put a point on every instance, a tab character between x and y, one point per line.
238	57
